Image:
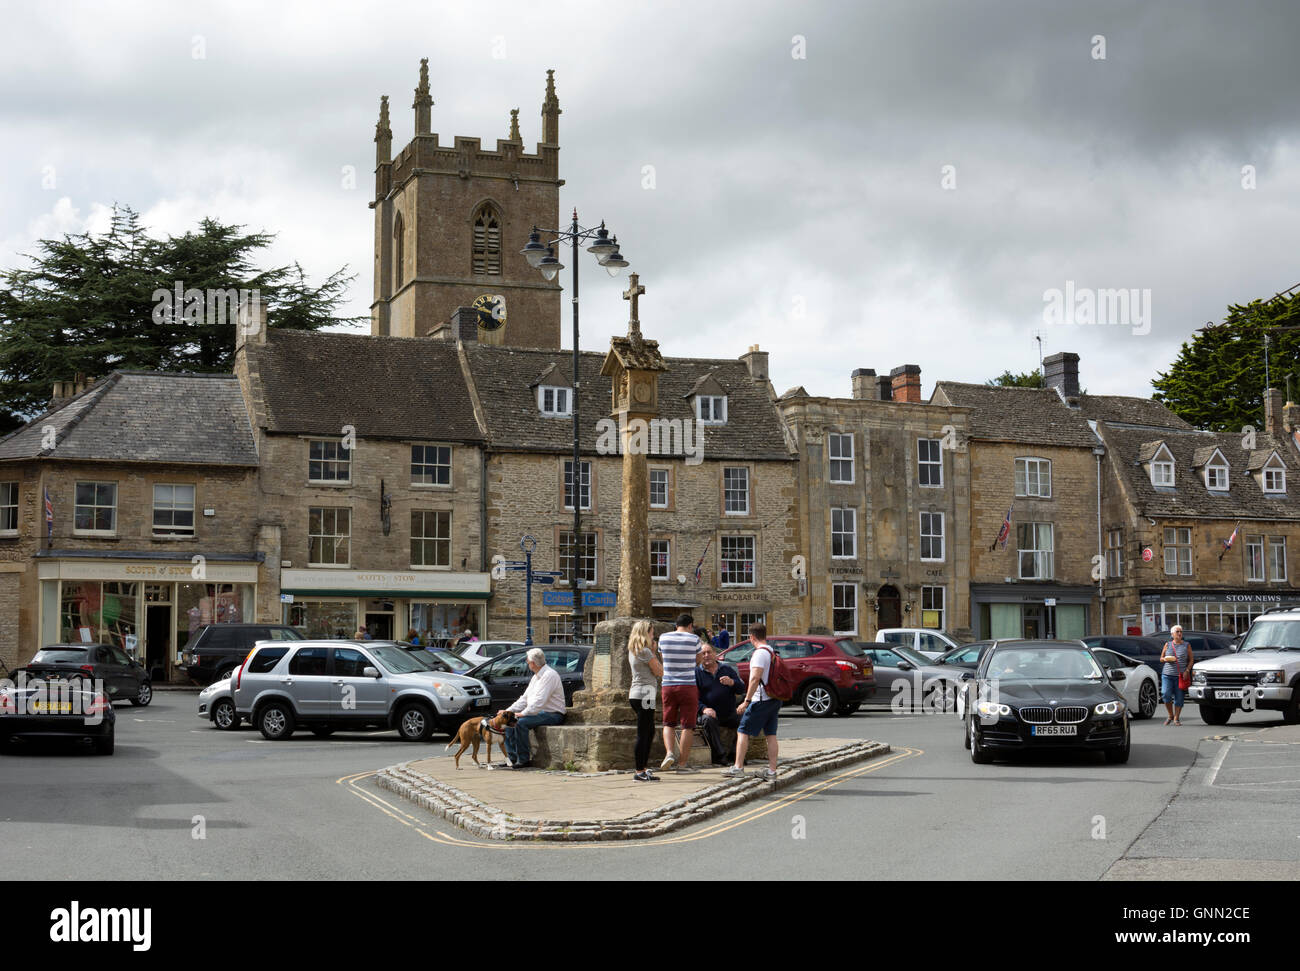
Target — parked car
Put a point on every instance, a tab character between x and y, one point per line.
507	675
961	662
217	705
1140	684
215	650
330	685
53	701
911	680
1263	674
833	675
1141	648
922	640
476	652
123	678
1043	694
1205	644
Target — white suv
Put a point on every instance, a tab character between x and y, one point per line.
931	643
1264	673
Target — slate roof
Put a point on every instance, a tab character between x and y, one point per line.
1033	416
1189	497
384	387
1123	410
145	416
503	375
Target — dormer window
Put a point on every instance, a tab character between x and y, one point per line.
1162	468
1275	478
711	409
1269	471
1214	468
554	402
1216	478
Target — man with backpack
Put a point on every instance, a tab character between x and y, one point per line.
760	709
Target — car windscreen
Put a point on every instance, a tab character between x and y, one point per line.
60	655
454	662
851	647
397	661
1028	664
907	654
1266	634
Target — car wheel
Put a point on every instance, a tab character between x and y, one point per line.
1118	756
1147	699
323	731
415	723
104	744
978	754
818	700
1215	716
143	695
275	721
849	709
224	715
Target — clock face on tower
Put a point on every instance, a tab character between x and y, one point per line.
491	309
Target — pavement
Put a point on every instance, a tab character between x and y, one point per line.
561	806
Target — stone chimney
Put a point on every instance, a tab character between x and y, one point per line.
756	361
865	386
460	326
1291	417
1273	417
250	320
1061	373
905	383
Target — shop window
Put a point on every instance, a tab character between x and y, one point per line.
932	607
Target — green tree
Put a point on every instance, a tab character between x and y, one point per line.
1217	380
1030	379
88	305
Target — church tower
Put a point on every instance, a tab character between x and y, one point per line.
450	222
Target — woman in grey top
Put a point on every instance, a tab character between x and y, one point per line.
1177	655
646	671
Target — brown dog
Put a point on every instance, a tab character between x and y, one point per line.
479	729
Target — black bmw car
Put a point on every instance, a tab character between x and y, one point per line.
1031	695
47	702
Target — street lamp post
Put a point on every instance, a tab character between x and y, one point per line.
542	256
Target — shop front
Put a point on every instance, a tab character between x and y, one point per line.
144	604
1051	612
336	603
1229	611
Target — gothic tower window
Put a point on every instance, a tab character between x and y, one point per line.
399	250
487	240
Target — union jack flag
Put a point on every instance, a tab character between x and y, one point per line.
1227	543
1004	533
700	565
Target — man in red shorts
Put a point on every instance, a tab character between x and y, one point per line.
681	698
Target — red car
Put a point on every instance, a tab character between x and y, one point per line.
834	674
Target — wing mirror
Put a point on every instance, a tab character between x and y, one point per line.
1117	675
904	665
369	672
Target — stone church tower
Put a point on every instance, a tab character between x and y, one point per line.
449	225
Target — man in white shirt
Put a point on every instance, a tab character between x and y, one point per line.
758	712
542	703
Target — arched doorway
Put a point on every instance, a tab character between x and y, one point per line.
889	608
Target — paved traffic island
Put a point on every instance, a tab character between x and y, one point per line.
535	804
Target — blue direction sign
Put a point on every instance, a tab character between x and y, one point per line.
544	580
554	574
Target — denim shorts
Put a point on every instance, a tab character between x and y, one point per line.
760	718
1173	695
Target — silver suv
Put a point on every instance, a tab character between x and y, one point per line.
328	685
1264	673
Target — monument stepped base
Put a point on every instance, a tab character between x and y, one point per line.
603	746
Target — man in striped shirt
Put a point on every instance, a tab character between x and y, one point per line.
681	698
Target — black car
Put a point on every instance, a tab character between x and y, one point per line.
964	660
1040	694
215	650
507	676
122	678
1205	644
49	701
1146	649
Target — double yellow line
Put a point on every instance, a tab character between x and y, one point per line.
418	823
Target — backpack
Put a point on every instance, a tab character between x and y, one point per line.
779	683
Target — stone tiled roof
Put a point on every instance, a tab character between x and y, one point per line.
1201	457
1123	410
145	416
384	387
1189	496
1034	416
503	375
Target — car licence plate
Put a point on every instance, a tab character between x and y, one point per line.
482	702
57	707
1056	729
1237	693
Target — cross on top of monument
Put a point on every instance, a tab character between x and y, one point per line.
632	292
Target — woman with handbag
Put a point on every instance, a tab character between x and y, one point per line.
646	670
1176	675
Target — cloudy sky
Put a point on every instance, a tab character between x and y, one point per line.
847	185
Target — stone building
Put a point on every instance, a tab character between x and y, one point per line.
371	488
152	485
1174	496
450	221
884	482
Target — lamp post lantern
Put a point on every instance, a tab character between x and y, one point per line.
542	256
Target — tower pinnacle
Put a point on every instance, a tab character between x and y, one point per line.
550	112
423	101
514	125
383	135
